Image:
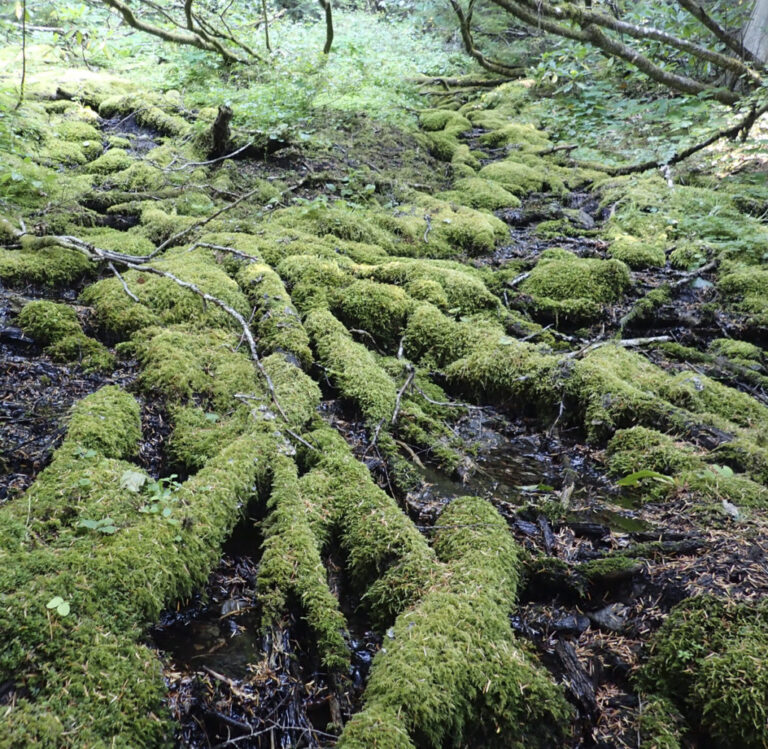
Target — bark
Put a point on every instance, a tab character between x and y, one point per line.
756	31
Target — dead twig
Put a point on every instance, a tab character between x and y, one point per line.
408	380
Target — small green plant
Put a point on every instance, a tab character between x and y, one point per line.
105	525
634	479
161	498
59	605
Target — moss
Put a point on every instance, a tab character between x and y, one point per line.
60	152
638	253
436	340
444	119
291	566
520	135
388	560
688	256
562	284
379	309
48	322
181	364
707	658
88	669
644	308
129	242
521	176
114	160
451	667
159	225
53	267
352	367
107	421
608	570
733	349
477	192
640	448
312	279
146	111
298	393
430	227
198	435
277	321
92	355
660	724
162	300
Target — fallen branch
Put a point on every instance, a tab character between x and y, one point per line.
408	380
624	343
122	281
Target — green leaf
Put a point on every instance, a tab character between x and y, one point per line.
62	609
167	512
54	602
108	529
90	524
133	481
633	479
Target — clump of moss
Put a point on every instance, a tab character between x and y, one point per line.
707	658
114	160
379	309
477	192
462	288
660	724
388	560
147	111
182	364
736	350
107	421
638	253
522	136
277	321
353	368
451	664
53	267
575	288
312	279
520	175
161	300
291	566
57	328
298	394
640	448
608	570
430	227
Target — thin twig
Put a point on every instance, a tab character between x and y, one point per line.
122	281
226	156
408	380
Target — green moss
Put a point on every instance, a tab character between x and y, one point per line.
379	309
435	228
451	666
312	279
48	322
277	321
609	569
640	448
520	175
388	560
444	119
181	364
477	192
114	160
53	267
146	111
522	136
298	393
198	435
638	253
733	349
161	300
92	355
352	367
291	565
107	421
707	658
159	225
660	724
563	284
688	256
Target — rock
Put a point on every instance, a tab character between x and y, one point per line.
571	624
613	617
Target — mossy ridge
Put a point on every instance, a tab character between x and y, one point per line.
185	363
278	324
291	566
388	560
51	267
113	594
451	664
148	109
161	301
352	367
708	659
477	192
58	329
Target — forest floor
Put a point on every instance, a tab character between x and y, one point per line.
466	443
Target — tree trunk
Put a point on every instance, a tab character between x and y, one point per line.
756	31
